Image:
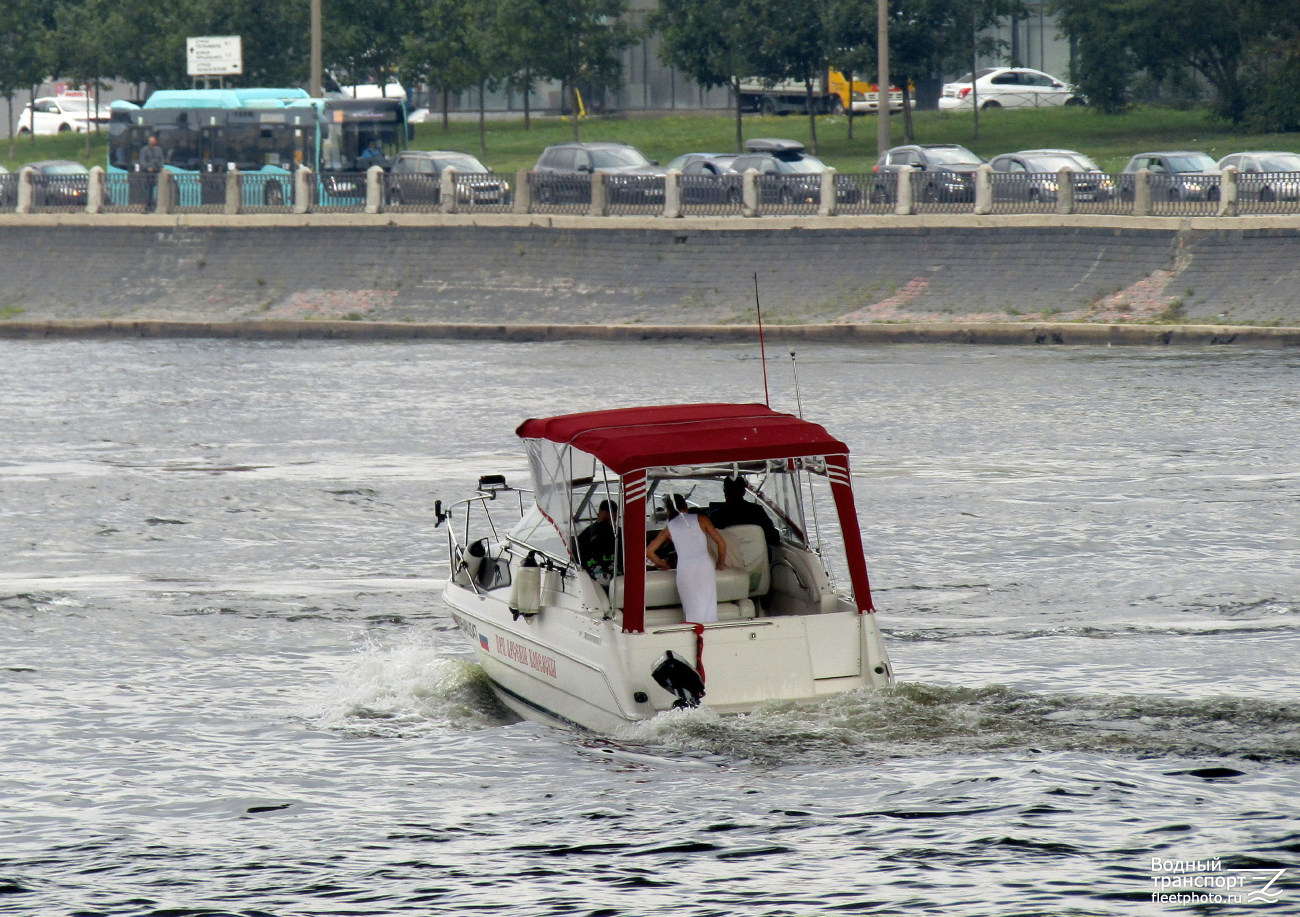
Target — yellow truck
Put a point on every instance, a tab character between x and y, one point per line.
832	95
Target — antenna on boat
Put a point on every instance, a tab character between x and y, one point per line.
762	347
797	397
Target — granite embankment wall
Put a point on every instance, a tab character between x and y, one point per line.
555	270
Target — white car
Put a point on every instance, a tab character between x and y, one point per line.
60	114
1008	87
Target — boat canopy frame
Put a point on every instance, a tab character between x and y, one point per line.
640	445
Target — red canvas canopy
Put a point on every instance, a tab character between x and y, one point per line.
630	440
625	439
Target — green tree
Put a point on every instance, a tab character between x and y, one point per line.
710	41
522	31
927	37
851	31
1225	41
583	40
80	43
794	44
1107	61
366	38
25	55
275	37
145	41
490	60
441	49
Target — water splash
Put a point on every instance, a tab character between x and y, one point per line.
410	688
918	720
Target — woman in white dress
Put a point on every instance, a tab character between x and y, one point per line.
697	583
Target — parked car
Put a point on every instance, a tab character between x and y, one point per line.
788	173
1179	175
1083	160
707	178
61	114
949	171
559	165
702	163
416	177
1265	176
1008	87
59	183
1039	169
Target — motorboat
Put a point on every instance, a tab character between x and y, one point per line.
550	582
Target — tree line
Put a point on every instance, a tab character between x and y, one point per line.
479	46
1247	50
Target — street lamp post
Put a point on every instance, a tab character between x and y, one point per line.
316	75
882	76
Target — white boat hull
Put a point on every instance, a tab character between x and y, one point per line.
571	665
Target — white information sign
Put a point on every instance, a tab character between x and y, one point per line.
221	55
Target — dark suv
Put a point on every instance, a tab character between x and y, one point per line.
949	171
563	173
416	177
787	174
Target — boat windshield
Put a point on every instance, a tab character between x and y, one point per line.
536	531
774	485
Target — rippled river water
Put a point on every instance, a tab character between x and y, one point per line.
229	684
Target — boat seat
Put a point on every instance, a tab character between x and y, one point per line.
800	584
747	550
748	573
673	614
661	588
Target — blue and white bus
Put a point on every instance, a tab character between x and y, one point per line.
265	133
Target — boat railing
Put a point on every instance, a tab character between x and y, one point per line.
489	488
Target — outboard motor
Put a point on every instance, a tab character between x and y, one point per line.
676	676
526	592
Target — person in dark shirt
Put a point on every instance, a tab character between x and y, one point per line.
736	510
151	156
150	161
598	544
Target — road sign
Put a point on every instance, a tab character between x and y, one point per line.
221	55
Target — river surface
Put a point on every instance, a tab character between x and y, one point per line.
229	685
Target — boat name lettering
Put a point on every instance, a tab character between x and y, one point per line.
467	627
524	656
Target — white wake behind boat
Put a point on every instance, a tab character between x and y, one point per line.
573	629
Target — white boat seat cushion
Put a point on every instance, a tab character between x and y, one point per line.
661	588
673	614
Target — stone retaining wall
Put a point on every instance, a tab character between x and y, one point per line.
627	270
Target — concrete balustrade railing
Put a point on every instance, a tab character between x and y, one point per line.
303	188
1142	193
673	194
905	192
984	189
234	192
904	204
95	191
1228	190
25	191
1064	191
749	200
829	204
375	190
448	197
